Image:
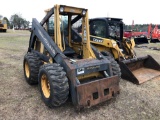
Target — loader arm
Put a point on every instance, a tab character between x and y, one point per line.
41	34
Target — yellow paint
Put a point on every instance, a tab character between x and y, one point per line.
27	71
73	10
87	51
45	86
4	22
112	47
57	31
108	45
91	75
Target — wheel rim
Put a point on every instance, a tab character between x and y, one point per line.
45	86
27	71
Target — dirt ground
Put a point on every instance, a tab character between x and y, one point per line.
20	101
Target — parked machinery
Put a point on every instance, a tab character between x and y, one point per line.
3	25
107	37
63	63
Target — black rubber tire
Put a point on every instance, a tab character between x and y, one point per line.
115	66
34	64
58	82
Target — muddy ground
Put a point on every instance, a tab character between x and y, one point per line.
20	101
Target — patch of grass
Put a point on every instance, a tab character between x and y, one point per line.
14	41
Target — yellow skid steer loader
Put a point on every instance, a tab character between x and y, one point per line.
106	34
64	64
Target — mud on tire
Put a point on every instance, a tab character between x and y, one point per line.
53	85
31	65
115	66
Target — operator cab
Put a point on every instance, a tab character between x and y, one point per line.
111	28
71	41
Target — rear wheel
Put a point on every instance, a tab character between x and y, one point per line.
31	65
53	85
115	66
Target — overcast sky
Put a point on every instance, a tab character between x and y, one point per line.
141	11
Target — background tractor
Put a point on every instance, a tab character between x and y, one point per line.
153	34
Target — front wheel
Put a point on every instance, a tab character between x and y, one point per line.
53	85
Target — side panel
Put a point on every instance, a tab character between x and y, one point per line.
103	44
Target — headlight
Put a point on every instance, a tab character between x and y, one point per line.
114	43
61	9
83	12
100	56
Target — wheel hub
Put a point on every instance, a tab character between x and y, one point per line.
27	71
45	86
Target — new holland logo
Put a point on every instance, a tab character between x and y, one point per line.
97	40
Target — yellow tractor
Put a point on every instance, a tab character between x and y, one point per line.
65	64
106	34
3	25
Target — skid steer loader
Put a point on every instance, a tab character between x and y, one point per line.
106	34
65	64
